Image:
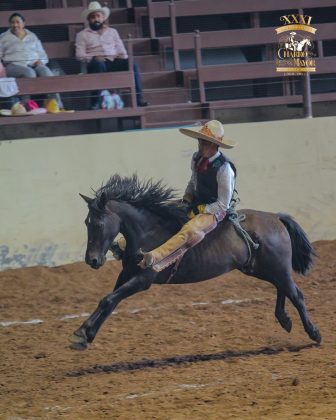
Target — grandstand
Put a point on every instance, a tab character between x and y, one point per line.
198	60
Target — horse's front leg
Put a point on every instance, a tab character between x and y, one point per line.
98	313
88	330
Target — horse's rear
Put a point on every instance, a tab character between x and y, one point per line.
283	247
224	249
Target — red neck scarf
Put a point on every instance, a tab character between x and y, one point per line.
202	165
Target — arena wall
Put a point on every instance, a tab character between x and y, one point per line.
287	166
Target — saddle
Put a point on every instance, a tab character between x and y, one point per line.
235	219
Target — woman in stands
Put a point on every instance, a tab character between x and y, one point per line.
22	52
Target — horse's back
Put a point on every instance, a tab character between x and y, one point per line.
224	249
262	224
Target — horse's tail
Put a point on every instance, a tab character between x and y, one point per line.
302	250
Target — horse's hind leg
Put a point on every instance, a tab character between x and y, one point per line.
280	313
296	297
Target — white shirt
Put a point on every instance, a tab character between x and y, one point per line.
226	183
106	43
24	52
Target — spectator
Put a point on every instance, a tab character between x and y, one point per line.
23	54
2	70
102	49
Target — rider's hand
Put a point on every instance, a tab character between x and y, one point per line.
197	210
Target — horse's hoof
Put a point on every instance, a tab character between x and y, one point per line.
78	341
315	335
79	346
288	325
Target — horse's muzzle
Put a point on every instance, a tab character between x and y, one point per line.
95	262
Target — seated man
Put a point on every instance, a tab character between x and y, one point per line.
209	194
102	49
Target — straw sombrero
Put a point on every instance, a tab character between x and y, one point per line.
18	110
95	6
212	131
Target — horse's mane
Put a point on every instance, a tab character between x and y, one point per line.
153	196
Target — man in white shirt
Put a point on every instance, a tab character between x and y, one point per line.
209	194
101	48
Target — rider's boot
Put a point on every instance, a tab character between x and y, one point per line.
190	235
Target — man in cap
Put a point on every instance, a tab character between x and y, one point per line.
102	49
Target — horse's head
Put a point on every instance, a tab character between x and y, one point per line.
102	227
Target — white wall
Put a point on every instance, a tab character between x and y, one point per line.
287	166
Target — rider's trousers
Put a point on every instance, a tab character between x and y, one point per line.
190	235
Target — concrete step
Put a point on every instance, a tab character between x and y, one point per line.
166	96
162	79
126	28
149	63
142	46
118	16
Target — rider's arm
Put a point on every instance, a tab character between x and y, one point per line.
226	182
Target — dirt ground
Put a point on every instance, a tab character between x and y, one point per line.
211	350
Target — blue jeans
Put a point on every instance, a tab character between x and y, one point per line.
118	64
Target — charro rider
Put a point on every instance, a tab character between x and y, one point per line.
209	194
292	41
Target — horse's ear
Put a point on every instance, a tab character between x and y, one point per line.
86	199
102	200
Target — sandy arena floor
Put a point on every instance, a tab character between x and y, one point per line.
211	350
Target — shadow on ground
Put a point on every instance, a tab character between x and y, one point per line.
182	360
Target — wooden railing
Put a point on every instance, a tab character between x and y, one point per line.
252	71
56	16
214	7
78	83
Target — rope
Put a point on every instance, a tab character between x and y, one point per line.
236	219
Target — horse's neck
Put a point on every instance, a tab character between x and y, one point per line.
302	44
135	224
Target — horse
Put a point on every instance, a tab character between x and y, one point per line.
147	214
298	45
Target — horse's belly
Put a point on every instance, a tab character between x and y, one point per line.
194	269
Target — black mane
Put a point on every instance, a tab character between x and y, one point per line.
149	195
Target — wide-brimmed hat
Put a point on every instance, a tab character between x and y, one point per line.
212	131
95	6
19	110
52	107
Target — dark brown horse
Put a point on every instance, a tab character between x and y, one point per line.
147	216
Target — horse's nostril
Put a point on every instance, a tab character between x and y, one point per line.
94	262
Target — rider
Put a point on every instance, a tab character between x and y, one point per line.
208	193
292	41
